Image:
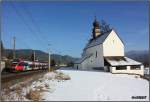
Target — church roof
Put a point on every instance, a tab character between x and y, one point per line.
98	40
120	61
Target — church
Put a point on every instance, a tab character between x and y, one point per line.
105	52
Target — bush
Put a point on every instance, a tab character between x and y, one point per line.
61	76
34	95
70	64
53	63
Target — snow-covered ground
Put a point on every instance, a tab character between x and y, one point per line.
86	85
92	86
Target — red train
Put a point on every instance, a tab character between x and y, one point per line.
20	65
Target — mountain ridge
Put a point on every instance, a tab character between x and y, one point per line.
139	55
40	55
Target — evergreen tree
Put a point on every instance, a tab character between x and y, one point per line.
10	55
53	62
104	27
70	64
32	57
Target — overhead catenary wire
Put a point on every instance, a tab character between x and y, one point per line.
24	22
35	24
38	31
23	43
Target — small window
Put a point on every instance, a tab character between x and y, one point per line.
121	68
135	67
96	55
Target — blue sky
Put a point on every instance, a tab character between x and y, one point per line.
67	26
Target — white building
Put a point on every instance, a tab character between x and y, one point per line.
105	51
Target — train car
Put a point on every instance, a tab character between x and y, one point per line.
36	65
14	62
22	66
28	65
44	65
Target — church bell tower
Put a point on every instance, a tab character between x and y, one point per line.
96	29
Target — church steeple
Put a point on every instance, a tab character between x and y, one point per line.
96	28
95	23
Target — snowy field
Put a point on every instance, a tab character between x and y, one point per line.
91	86
86	85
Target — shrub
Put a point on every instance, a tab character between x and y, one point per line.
34	95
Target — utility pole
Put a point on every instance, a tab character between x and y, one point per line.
49	59
34	59
14	45
34	55
59	59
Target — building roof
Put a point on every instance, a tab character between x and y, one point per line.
82	59
99	40
120	61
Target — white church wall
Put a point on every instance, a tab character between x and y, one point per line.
86	64
113	46
94	61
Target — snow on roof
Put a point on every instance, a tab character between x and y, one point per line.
83	58
121	60
98	40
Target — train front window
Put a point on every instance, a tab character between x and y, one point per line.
25	64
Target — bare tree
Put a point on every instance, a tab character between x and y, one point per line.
104	27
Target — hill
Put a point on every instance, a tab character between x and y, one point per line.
40	55
141	56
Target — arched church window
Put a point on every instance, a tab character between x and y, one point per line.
96	55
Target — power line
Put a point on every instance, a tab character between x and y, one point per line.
14	47
24	44
34	23
19	15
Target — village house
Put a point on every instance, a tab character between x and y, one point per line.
105	51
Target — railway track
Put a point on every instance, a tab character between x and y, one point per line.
22	75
